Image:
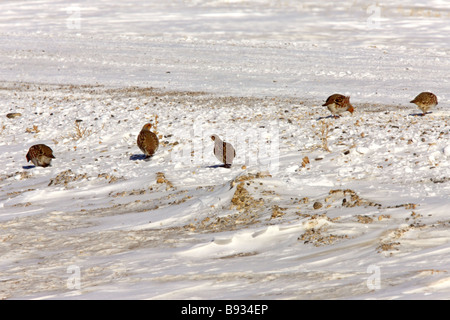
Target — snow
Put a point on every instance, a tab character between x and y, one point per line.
312	208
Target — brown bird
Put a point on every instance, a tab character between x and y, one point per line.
147	141
223	151
338	104
425	101
40	154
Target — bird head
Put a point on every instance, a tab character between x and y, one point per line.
147	126
350	107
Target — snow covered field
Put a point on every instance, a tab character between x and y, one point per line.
313	207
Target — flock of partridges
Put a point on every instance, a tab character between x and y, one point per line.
147	141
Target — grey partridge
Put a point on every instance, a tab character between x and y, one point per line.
338	104
425	101
41	155
223	151
147	141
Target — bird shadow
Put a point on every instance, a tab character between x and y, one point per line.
218	166
140	157
28	167
419	114
328	117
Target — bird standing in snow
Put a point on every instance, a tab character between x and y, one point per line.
41	155
425	101
338	104
147	141
223	151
